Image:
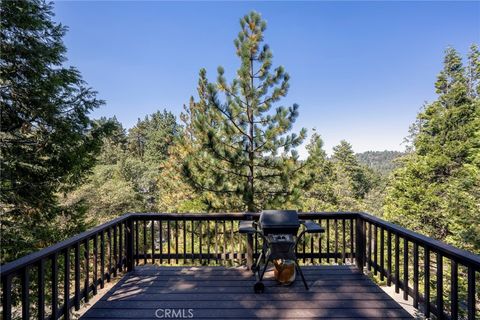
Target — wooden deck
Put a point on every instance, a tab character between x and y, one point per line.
227	293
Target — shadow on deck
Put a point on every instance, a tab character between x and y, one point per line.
152	292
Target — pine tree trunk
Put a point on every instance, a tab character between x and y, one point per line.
251	200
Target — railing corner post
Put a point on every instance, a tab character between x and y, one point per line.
360	243
130	260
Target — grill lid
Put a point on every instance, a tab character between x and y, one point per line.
273	219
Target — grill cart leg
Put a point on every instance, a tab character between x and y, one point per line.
301	274
259	287
263	271
256	265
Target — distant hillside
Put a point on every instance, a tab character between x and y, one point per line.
380	161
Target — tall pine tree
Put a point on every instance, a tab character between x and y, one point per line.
242	155
437	190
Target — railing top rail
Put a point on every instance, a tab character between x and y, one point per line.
16	265
235	215
461	256
191	216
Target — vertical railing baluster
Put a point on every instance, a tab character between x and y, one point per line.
168	241
77	276
216	241
144	242
102	259
66	285
25	294
369	247
184	241
209	241
364	233
152	237
137	243
120	249
303	247
352	249
225	242
200	236
95	263
160	239
336	239
397	263
389	258
328	240
439	286
320	244
115	252
471	293
405	269
312	249
375	250
7	297
193	240
427	281
382	254
231	241
87	269
110	254
415	275
454	290
344	242
55	286
41	289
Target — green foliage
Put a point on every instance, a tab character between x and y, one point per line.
383	162
340	183
242	157
319	172
437	190
135	172
151	137
48	140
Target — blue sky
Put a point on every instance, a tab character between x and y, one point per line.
360	71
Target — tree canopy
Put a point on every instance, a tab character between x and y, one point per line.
437	189
48	140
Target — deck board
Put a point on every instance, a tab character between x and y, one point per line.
227	293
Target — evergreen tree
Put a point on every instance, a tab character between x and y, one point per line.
318	194
114	145
351	176
150	138
48	141
437	190
242	155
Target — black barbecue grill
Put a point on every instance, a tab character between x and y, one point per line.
279	231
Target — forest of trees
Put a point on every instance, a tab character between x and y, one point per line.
232	149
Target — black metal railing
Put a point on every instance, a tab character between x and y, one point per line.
429	271
49	284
